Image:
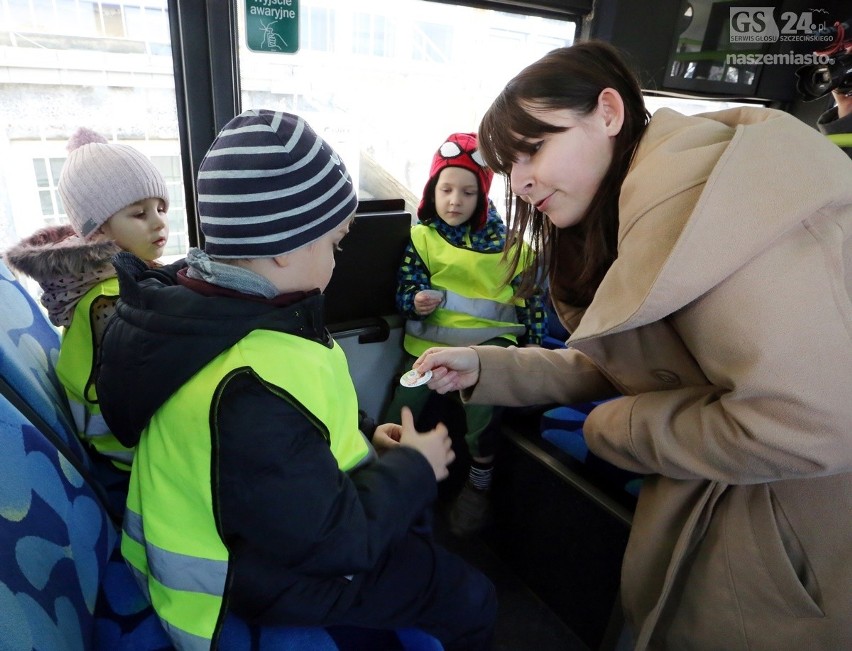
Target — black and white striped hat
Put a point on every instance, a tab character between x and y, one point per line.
270	185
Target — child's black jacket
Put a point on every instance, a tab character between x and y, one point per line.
294	524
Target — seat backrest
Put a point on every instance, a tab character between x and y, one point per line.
55	539
362	291
563	427
363	285
29	349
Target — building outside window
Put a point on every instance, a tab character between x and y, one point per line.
71	63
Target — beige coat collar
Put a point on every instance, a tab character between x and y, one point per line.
700	200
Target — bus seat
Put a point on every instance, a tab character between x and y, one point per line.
364	282
360	300
237	636
63	583
563	427
29	348
55	539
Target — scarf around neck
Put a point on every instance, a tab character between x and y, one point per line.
201	266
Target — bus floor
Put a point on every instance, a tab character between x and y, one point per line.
524	622
553	546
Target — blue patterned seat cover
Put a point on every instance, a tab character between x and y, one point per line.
29	348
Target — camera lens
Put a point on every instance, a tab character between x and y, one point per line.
814	81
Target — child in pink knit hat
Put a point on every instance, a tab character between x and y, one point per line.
115	199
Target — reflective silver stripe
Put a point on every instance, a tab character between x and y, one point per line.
186	573
78	413
178	571
88	423
93	426
97	426
459	336
481	307
183	640
132	526
119	455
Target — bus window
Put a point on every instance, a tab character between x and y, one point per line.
385	80
72	63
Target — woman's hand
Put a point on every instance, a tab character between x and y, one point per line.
452	368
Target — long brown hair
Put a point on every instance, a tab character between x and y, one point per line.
575	259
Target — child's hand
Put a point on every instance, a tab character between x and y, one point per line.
387	437
427	301
435	444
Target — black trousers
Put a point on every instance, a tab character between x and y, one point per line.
422	585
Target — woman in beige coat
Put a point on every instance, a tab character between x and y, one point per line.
704	268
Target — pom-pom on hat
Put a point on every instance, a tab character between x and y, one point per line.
100	178
459	150
270	185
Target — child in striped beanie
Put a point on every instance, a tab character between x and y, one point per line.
253	487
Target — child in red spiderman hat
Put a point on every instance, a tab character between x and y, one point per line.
456	288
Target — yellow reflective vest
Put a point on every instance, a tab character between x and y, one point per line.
75	369
841	139
170	540
478	305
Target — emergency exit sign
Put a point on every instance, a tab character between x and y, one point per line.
272	25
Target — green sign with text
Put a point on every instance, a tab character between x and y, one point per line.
272	25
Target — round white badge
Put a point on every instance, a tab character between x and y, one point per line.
415	379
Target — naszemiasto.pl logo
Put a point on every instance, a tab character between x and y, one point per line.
757	25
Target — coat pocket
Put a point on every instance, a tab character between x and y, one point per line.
782	555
